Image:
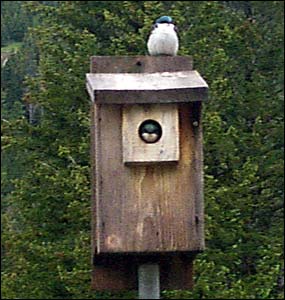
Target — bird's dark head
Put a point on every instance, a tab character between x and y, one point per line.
164	19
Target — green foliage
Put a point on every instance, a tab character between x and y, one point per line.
14	22
46	206
11	48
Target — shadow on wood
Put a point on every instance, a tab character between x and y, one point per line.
119	272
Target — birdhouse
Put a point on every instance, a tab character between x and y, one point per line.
146	141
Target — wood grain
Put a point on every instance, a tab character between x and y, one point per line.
163	87
145	212
148	208
135	150
140	64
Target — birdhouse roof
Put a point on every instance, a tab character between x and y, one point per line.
159	87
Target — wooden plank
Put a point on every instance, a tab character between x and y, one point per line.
135	150
198	180
165	87
119	272
138	208
151	96
177	272
146	81
140	64
93	179
114	274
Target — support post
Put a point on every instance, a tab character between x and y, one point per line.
148	277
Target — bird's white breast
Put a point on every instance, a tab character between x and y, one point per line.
163	40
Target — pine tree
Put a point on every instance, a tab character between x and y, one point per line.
46	213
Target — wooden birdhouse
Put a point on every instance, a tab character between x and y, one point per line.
146	141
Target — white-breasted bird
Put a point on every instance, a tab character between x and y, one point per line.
150	131
163	39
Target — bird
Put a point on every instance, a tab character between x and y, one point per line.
150	131
163	39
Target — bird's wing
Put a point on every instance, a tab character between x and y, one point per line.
153	27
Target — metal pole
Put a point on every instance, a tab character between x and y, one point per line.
148	277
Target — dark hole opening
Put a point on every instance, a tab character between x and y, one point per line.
150	131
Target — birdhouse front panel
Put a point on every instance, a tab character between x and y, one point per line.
150	133
146	208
